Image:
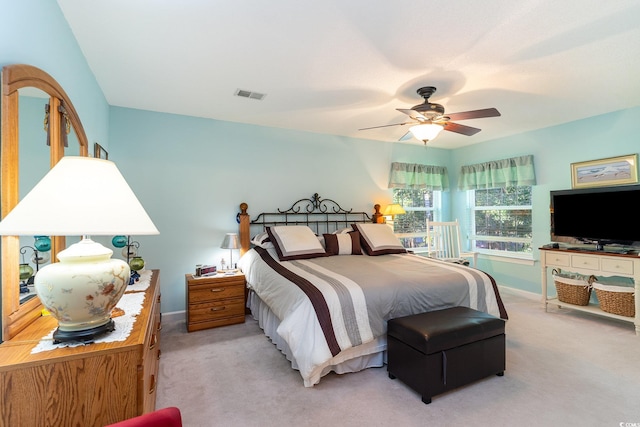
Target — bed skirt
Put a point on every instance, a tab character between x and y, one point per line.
370	355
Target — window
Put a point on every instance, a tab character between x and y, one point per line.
420	206
501	220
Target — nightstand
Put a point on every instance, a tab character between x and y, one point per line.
214	301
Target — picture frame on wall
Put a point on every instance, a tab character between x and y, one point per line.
99	152
605	172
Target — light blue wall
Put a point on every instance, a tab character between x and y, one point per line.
191	174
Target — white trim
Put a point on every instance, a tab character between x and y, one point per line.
508	257
521	292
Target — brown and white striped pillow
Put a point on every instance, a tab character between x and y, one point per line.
343	244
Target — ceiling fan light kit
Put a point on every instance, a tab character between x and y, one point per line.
426	132
429	118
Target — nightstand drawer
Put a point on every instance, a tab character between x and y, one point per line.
209	292
217	313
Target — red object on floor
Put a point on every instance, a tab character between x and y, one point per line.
166	417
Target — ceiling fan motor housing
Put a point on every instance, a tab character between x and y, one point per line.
427	108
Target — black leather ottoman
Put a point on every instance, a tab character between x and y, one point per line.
441	350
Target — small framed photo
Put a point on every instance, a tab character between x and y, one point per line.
100	152
610	171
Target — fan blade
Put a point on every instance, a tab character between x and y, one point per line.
475	114
413	114
462	129
386	126
406	136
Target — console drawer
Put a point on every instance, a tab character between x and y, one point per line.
586	262
617	266
556	259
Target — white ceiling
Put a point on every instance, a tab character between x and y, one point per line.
335	66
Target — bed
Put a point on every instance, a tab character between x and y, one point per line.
323	282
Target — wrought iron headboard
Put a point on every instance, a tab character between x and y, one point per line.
321	215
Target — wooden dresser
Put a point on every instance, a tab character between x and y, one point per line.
214	301
91	385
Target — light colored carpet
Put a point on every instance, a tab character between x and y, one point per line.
564	368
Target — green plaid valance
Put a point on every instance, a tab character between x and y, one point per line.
498	174
418	177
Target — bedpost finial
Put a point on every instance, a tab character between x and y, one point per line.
377	216
243	208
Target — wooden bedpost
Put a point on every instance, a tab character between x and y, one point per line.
245	238
378	218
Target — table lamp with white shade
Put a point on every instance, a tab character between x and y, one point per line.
80	196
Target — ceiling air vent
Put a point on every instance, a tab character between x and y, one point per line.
249	94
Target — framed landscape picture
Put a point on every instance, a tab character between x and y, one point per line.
610	171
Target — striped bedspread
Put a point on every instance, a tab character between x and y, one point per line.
329	304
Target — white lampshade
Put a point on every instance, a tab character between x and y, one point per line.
426	132
81	196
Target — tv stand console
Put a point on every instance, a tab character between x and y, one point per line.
596	263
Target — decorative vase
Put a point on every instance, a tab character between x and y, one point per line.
26	271
82	289
119	241
42	243
41	258
136	264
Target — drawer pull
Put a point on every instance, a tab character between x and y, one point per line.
152	387
159	354
218	308
217	289
153	342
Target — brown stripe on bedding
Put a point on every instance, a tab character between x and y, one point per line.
503	311
314	295
346	302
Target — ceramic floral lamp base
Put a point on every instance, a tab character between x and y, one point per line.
85	336
81	290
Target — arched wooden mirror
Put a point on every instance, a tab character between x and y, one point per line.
34	89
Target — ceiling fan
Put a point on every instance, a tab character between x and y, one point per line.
429	119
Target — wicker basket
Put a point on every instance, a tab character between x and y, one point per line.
616	299
572	291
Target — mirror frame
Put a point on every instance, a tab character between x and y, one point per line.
16	316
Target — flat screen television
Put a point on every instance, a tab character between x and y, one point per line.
599	215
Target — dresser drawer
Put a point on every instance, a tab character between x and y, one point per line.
586	262
555	259
617	266
210	292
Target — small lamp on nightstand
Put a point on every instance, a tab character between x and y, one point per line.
393	210
231	242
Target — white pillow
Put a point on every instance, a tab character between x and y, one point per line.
295	242
378	239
